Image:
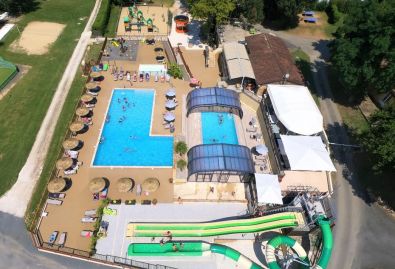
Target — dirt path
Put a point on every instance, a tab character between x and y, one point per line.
15	201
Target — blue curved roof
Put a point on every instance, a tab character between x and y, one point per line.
220	157
214	97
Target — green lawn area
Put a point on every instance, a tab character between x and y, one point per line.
302	61
93	52
5	74
24	107
165	3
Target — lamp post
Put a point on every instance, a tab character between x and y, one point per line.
285	77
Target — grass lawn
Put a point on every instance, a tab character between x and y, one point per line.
24	107
302	61
112	24
93	52
165	3
5	73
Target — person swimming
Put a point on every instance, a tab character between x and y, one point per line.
101	139
123	108
108	118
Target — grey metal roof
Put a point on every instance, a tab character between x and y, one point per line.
210	97
237	60
220	157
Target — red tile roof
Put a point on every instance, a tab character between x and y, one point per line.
271	60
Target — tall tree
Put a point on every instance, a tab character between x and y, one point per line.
253	10
364	49
378	139
283	11
212	9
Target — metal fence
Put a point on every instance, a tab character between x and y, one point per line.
85	255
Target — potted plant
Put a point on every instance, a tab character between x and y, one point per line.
181	164
181	148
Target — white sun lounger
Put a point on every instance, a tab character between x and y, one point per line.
54	202
251	130
90	213
86	233
88	220
70	172
62	239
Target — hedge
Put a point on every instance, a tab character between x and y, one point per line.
100	24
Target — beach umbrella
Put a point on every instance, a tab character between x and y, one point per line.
56	184
77	126
95	74
150	184
171	92
170	104
90	85
97	184
86	98
169	116
71	143
82	111
125	184
261	149
64	163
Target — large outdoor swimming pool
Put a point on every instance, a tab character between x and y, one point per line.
218	128
125	138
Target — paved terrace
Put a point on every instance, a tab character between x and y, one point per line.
67	217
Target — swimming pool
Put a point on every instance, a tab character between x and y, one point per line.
218	128
125	138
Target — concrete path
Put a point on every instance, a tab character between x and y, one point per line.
15	201
364	234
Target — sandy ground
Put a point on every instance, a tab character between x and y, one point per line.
158	15
15	201
37	37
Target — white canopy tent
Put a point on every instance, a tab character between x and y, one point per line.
306	153
268	189
152	68
295	108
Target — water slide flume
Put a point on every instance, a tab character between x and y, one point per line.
272	222
190	249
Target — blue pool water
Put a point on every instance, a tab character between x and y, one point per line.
126	133
218	128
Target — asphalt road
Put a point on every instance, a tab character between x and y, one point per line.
364	236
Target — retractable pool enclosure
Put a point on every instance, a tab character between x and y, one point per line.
217	162
214	99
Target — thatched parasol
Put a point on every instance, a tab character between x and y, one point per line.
90	85
82	111
150	184
95	74
77	126
97	184
56	184
64	163
71	143
86	98
125	184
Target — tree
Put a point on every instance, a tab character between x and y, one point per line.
17	7
212	9
378	139
174	70
284	12
253	10
181	164
181	148
364	49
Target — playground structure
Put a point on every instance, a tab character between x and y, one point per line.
306	210
181	23
7	72
137	15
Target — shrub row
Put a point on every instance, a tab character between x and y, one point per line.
100	24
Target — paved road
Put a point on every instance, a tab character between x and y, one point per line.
364	235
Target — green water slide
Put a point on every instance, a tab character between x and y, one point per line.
190	249
327	240
272	222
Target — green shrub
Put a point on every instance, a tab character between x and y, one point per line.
181	148
100	24
174	70
181	164
333	13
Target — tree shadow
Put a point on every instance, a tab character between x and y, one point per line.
19	7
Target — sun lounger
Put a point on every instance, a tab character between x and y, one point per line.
90	213
89	105
52	237
86	233
109	211
54	202
92	93
62	239
88	220
128	77
251	129
103	194
56	195
70	172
